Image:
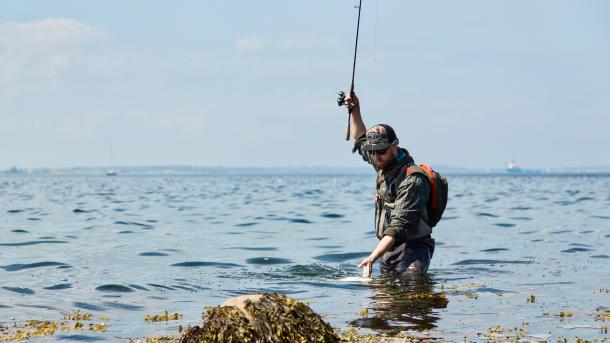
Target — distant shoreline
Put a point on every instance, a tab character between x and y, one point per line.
282	173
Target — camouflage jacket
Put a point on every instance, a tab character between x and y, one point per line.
400	200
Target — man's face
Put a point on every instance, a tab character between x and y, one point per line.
383	158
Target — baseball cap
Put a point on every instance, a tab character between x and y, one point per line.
379	137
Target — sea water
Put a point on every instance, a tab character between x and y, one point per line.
513	251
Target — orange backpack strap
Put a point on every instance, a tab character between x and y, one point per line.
415	169
430	175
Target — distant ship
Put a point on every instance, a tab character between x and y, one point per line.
111	172
513	168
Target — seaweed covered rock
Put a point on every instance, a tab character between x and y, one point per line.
261	318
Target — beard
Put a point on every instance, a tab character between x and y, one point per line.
383	162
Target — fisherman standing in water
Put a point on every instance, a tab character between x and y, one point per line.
401	200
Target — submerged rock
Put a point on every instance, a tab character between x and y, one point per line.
261	318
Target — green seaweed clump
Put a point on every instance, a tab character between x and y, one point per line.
271	318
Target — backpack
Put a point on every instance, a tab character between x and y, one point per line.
438	191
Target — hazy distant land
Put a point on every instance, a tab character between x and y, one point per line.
305	170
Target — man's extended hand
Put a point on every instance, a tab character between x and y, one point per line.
367	266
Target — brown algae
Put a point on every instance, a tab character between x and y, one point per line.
34	328
164	317
269	318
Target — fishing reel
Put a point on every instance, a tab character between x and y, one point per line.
341	98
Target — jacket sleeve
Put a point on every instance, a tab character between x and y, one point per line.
358	147
411	200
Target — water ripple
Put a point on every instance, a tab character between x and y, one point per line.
59	286
341	257
205	264
489	262
20	290
113	288
19	244
18	266
268	260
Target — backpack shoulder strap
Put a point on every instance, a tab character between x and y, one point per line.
415	169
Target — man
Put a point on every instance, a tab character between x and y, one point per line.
405	245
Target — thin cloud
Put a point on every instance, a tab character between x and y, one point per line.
307	42
44	48
51	32
249	43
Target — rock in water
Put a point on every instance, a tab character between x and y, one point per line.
261	318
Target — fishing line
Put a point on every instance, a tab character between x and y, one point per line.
341	97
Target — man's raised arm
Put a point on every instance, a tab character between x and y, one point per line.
357	126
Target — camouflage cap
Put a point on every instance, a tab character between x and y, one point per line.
379	137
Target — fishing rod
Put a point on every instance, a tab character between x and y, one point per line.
341	96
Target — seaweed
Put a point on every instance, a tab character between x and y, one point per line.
272	318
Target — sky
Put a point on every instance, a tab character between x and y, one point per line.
254	83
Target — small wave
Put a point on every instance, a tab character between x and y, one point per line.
341	257
18	266
451	217
255	248
600	256
493	290
317	270
15	211
247	224
191	264
576	249
356	279
317	239
124	306
113	288
489	262
138	287
184	288
505	224
82	338
336	285
160	286
332	215
300	221
59	286
486	214
153	254
141	225
268	260
30	243
20	231
86	306
494	250
20	290
78	210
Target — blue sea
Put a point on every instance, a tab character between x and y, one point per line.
525	255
